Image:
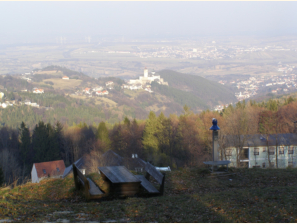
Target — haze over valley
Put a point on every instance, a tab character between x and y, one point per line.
205	60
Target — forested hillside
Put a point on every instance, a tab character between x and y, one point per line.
65	100
174	141
208	92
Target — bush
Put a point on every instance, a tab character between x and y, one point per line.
49	83
204	171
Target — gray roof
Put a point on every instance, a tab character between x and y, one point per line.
68	169
109	158
118	174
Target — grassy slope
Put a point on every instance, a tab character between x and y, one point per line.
253	195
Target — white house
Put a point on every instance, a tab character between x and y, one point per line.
87	90
99	93
132	87
109	83
125	86
52	169
38	91
98	88
65	77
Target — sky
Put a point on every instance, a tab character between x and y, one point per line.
37	21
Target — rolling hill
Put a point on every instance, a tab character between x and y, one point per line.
64	100
208	93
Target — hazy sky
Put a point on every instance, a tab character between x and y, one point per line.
28	21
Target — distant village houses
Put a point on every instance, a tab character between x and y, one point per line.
109	83
87	90
101	93
65	78
36	90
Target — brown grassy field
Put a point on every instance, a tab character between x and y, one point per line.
63	84
99	100
191	195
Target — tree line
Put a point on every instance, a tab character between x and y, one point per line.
175	141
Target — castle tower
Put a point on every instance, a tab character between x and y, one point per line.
145	72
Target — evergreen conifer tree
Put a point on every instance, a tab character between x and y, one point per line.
1	176
103	135
25	142
127	122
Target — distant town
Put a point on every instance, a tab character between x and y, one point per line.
283	83
207	52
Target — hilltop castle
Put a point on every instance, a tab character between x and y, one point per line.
147	79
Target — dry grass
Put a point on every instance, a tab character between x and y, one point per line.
100	100
49	73
63	84
250	195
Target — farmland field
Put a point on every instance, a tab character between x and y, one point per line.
63	84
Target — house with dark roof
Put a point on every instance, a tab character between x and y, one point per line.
52	169
109	158
260	150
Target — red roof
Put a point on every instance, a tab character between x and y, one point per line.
52	168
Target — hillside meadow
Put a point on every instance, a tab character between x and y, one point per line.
191	195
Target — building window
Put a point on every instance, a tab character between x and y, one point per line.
281	150
271	150
291	150
44	171
138	169
256	166
58	169
264	149
290	164
272	164
229	152
263	165
256	151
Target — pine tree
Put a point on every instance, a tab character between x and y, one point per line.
103	135
1	176
127	122
59	139
40	142
25	142
162	133
118	143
